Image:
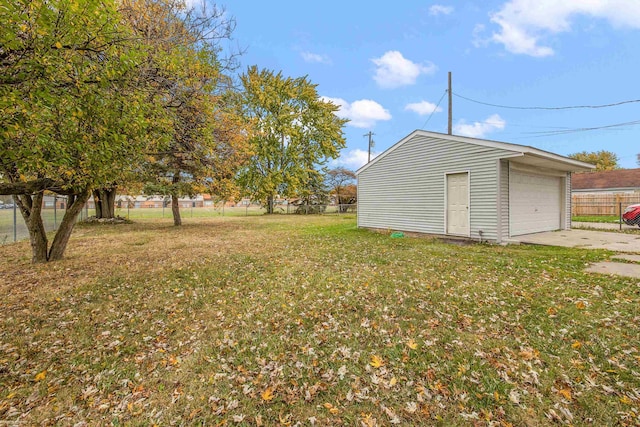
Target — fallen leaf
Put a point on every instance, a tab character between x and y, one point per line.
41	375
376	361
412	344
580	305
332	409
267	395
565	392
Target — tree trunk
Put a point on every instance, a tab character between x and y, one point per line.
105	200
63	233
31	208
175	206
97	202
175	210
111	202
270	205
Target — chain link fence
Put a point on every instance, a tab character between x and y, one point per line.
13	228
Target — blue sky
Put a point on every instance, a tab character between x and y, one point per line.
386	65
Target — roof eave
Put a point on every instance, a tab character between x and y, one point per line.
565	163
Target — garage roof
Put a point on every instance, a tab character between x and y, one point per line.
523	153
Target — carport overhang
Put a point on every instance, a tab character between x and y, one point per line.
550	162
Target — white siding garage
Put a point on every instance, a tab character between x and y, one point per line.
451	185
534	203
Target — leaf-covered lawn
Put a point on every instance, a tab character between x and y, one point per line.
310	321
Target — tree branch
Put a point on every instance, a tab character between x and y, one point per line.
33	187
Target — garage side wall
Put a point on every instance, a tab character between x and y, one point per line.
504	199
405	190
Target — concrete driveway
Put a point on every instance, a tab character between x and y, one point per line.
587	239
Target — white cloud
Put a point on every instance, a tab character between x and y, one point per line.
394	70
315	57
354	159
438	9
477	36
423	108
190	4
363	113
525	23
480	129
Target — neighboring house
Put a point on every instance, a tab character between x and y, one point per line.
619	181
451	185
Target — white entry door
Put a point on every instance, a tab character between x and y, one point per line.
458	204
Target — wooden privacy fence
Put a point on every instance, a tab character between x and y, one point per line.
601	204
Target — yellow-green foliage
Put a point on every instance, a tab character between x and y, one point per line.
292	132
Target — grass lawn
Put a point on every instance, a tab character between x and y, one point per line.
186	213
290	319
597	218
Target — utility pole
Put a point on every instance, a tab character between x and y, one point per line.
450	128
371	143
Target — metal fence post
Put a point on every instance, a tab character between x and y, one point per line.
55	211
15	220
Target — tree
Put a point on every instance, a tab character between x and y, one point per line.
70	113
203	156
603	160
190	80
313	196
341	181
184	73
292	133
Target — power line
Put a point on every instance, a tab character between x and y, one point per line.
576	130
573	107
434	110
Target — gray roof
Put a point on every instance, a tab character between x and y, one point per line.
523	153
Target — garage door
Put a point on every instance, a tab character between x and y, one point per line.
534	203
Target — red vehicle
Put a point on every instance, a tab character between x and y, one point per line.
631	215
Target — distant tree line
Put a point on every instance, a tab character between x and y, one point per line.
603	160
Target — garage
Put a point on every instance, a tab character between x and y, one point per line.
451	185
534	203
